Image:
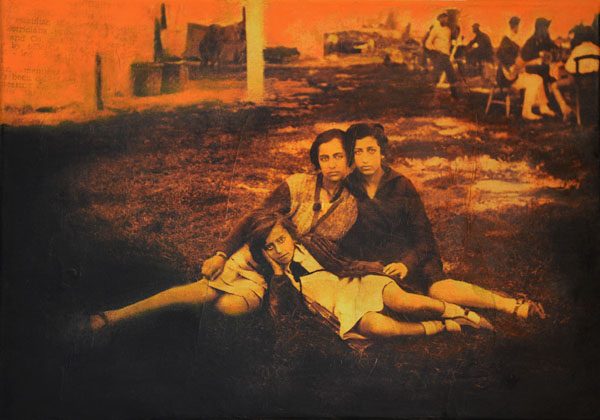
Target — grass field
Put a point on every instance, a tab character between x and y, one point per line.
102	213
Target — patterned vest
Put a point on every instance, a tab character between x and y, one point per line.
334	223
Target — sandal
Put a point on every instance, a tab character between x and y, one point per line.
527	308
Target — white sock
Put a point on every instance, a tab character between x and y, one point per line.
523	310
432	327
507	305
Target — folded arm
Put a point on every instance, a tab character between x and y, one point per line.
328	255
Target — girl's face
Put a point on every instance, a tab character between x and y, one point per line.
332	160
279	245
367	155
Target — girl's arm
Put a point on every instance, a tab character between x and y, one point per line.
423	251
328	255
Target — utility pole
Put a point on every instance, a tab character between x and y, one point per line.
99	102
255	64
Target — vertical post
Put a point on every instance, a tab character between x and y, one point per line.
158	48
255	65
163	16
99	102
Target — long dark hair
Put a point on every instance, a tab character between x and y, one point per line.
261	225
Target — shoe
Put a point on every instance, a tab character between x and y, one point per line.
469	319
527	309
452	326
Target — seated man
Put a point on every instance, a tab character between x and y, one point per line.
479	49
583	62
511	74
583	44
537	53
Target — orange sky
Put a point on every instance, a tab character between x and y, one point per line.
49	47
288	23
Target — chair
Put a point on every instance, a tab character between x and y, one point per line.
585	82
501	94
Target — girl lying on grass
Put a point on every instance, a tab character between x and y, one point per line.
354	297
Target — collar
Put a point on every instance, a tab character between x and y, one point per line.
356	180
299	253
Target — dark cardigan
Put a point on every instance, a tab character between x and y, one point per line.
394	227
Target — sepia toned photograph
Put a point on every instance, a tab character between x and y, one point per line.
299	209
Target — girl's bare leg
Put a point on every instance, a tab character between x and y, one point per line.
191	294
468	294
232	305
374	324
401	301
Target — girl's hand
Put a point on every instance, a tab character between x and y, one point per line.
277	268
213	267
396	269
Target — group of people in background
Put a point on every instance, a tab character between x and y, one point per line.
539	66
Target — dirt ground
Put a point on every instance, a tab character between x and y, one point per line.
102	213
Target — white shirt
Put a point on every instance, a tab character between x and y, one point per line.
439	39
587	65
